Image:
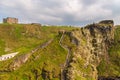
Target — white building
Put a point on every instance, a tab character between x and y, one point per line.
8	56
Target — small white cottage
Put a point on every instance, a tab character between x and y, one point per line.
8	56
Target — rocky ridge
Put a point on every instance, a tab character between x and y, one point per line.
93	43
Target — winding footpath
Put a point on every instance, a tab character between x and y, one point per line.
65	65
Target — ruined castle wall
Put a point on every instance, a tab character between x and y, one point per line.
10	20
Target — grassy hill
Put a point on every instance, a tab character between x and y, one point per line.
47	61
23	38
112	68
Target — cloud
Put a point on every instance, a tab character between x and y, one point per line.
61	12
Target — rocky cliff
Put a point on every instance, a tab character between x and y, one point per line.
93	42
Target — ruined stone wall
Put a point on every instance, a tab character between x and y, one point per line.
10	20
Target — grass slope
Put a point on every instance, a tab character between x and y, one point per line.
112	68
43	64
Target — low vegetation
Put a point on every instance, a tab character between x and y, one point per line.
46	63
112	67
23	38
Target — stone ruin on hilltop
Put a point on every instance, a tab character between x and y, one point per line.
10	20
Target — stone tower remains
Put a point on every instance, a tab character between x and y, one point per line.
10	20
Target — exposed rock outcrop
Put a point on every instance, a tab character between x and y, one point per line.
107	22
94	41
109	78
19	61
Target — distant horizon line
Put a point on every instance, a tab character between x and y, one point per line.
77	25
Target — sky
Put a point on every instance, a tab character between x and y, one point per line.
61	12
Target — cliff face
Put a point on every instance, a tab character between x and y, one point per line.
93	42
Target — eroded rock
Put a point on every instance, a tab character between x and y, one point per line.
95	39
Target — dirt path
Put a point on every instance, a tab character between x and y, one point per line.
42	46
65	65
24	57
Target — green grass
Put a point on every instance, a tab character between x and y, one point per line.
2	47
113	67
50	59
45	63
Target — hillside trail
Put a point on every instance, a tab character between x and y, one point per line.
27	55
41	46
34	50
65	65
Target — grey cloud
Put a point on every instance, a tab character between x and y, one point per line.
89	2
61	12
